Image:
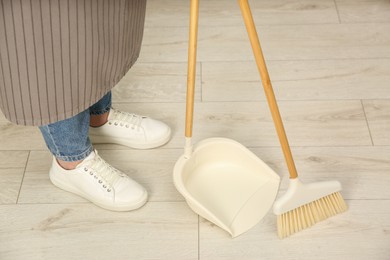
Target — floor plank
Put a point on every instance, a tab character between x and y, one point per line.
17	137
284	42
378	116
225	13
155	82
312	123
335	238
368	165
10	181
364	11
362	170
13	159
83	231
298	80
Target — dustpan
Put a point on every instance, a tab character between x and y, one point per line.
221	179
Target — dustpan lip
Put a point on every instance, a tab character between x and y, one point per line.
207	141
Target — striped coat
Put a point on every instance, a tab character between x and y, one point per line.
58	57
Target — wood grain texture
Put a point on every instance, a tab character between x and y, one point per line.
311	123
155	82
10	181
378	116
13	159
84	231
335	238
364	11
15	137
224	13
362	170
282	42
298	80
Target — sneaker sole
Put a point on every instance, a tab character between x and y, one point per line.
99	139
122	207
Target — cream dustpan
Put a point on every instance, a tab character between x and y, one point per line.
221	179
226	184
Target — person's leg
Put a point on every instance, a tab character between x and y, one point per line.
78	168
99	111
68	139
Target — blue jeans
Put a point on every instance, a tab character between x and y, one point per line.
68	139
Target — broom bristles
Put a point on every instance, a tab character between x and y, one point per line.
309	214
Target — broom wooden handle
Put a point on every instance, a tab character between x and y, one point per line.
192	44
258	53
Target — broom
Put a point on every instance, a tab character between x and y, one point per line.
302	205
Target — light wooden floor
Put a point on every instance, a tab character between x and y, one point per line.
330	65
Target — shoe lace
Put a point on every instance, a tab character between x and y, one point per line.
103	171
127	119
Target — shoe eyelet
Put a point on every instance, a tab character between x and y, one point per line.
91	173
95	176
121	124
109	190
115	124
104	186
100	181
110	123
85	169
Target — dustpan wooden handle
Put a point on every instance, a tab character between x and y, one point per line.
258	53
192	43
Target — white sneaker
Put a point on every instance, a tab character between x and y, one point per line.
131	130
97	181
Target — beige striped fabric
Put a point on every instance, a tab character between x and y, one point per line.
58	57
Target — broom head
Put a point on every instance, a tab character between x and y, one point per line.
303	205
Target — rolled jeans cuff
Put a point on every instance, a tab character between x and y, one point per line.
74	158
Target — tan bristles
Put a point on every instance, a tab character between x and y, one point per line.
309	214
